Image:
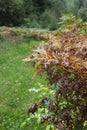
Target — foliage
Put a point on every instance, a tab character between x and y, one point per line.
48	20
64	59
10	12
39	14
83	13
28	12
69	21
80	8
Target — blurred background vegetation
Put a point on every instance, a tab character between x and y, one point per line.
39	14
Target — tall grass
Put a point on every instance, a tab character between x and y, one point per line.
15	82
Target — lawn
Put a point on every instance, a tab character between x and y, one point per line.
17	88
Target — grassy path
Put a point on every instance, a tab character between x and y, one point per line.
15	82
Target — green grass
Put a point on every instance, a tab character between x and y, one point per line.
15	82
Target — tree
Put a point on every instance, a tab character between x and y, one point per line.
80	9
11	12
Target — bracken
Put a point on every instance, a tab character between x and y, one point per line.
64	59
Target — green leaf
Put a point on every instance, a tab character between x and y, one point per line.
50	127
59	85
73	76
23	124
39	120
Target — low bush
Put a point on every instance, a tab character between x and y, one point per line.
64	60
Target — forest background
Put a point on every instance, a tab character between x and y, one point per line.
39	14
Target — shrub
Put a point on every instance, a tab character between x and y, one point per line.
64	59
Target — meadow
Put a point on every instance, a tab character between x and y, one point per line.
17	88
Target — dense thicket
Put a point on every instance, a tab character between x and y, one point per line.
36	13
